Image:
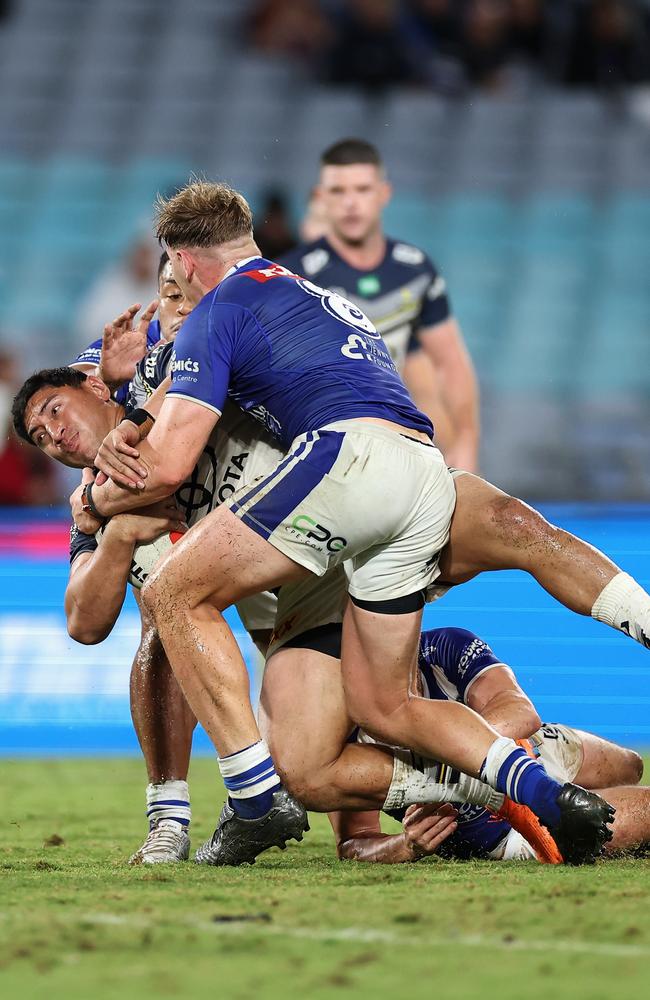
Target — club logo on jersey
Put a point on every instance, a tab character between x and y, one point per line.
368	285
316	533
340	308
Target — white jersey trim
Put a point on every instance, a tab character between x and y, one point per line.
490	666
199	402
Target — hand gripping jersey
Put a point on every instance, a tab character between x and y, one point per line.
93	353
237	452
401	296
449	661
292	354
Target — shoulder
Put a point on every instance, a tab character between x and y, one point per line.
451	647
410	257
309	259
91	355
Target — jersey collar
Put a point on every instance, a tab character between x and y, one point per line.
240	263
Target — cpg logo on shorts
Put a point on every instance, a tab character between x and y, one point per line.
315	535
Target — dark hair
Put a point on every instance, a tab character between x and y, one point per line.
54	377
164	259
348	151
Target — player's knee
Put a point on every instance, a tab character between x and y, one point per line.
154	595
632	768
517	527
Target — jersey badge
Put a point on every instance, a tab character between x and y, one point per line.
368	285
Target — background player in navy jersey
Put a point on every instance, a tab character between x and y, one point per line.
312	368
399	289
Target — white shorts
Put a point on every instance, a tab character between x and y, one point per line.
361	493
560	750
309	604
258	612
513	847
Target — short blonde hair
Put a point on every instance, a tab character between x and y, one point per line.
202	214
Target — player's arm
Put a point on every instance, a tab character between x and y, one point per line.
166	457
97	583
459	392
496	695
200	377
359	837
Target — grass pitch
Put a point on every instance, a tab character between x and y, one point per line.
77	922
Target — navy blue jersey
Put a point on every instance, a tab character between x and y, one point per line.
449	661
290	353
401	296
92	356
80	542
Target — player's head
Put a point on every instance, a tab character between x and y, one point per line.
353	190
66	414
173	307
205	227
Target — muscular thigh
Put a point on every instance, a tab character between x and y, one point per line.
222	560
302	710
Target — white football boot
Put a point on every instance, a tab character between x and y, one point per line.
167	842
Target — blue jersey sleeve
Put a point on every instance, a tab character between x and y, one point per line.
456	657
80	542
202	359
91	355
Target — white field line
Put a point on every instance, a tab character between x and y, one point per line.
368	935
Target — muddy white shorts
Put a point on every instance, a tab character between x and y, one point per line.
309	604
559	748
356	492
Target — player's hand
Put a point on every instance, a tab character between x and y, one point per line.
427	826
148	523
84	521
124	343
119	459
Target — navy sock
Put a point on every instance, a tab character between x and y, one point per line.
251	779
524	780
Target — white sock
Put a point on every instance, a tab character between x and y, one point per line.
169	801
624	605
409	786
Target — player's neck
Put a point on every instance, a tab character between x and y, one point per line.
363	256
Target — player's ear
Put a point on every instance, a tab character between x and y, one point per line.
386	192
187	263
98	387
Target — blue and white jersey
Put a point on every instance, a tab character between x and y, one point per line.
401	296
294	355
449	661
92	354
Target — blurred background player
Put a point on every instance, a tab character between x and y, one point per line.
398	288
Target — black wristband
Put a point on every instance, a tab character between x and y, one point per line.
138	417
89	504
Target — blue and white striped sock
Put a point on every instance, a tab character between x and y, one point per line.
251	779
169	800
509	769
